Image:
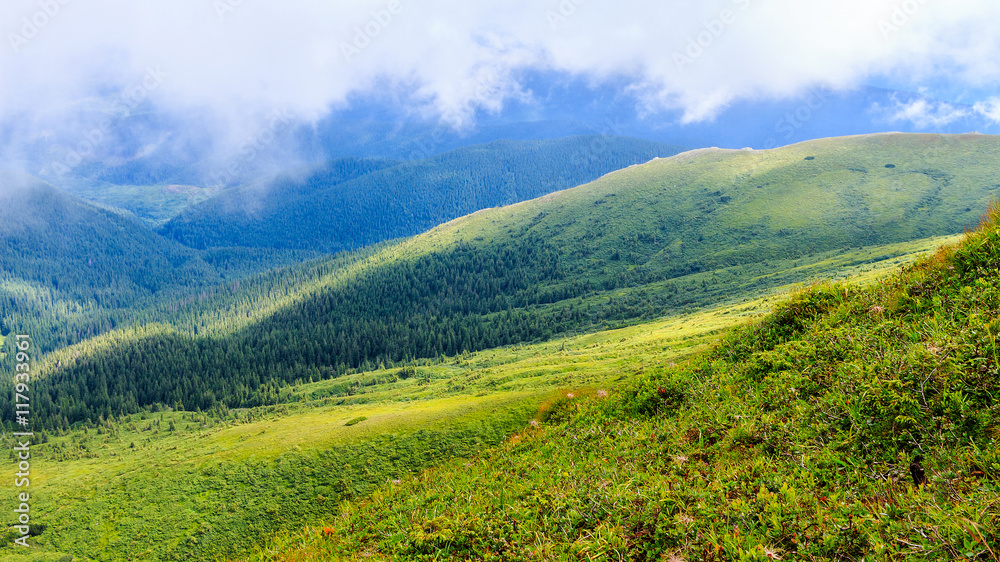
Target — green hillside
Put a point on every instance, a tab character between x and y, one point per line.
850	424
171	485
64	264
350	203
645	242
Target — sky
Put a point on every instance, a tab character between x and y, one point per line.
237	66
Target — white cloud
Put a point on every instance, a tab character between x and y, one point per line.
924	113
239	60
927	113
989	109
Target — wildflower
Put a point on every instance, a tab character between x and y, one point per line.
680	460
569	395
328	532
533	423
602	393
877	309
771	554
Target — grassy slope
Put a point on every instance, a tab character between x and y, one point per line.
637	208
852	423
652	240
95	492
939	185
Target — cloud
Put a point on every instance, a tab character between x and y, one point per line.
989	109
925	114
234	63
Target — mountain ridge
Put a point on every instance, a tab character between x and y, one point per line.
640	243
405	198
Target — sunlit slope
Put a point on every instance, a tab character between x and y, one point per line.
348	204
710	208
852	423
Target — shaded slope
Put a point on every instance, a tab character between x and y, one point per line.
63	261
69	270
351	203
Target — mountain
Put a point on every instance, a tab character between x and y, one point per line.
70	270
349	203
851	423
652	240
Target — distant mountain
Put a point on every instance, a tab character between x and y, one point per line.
99	252
350	203
66	265
651	240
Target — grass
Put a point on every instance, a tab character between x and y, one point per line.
136	482
180	485
176	485
852	423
